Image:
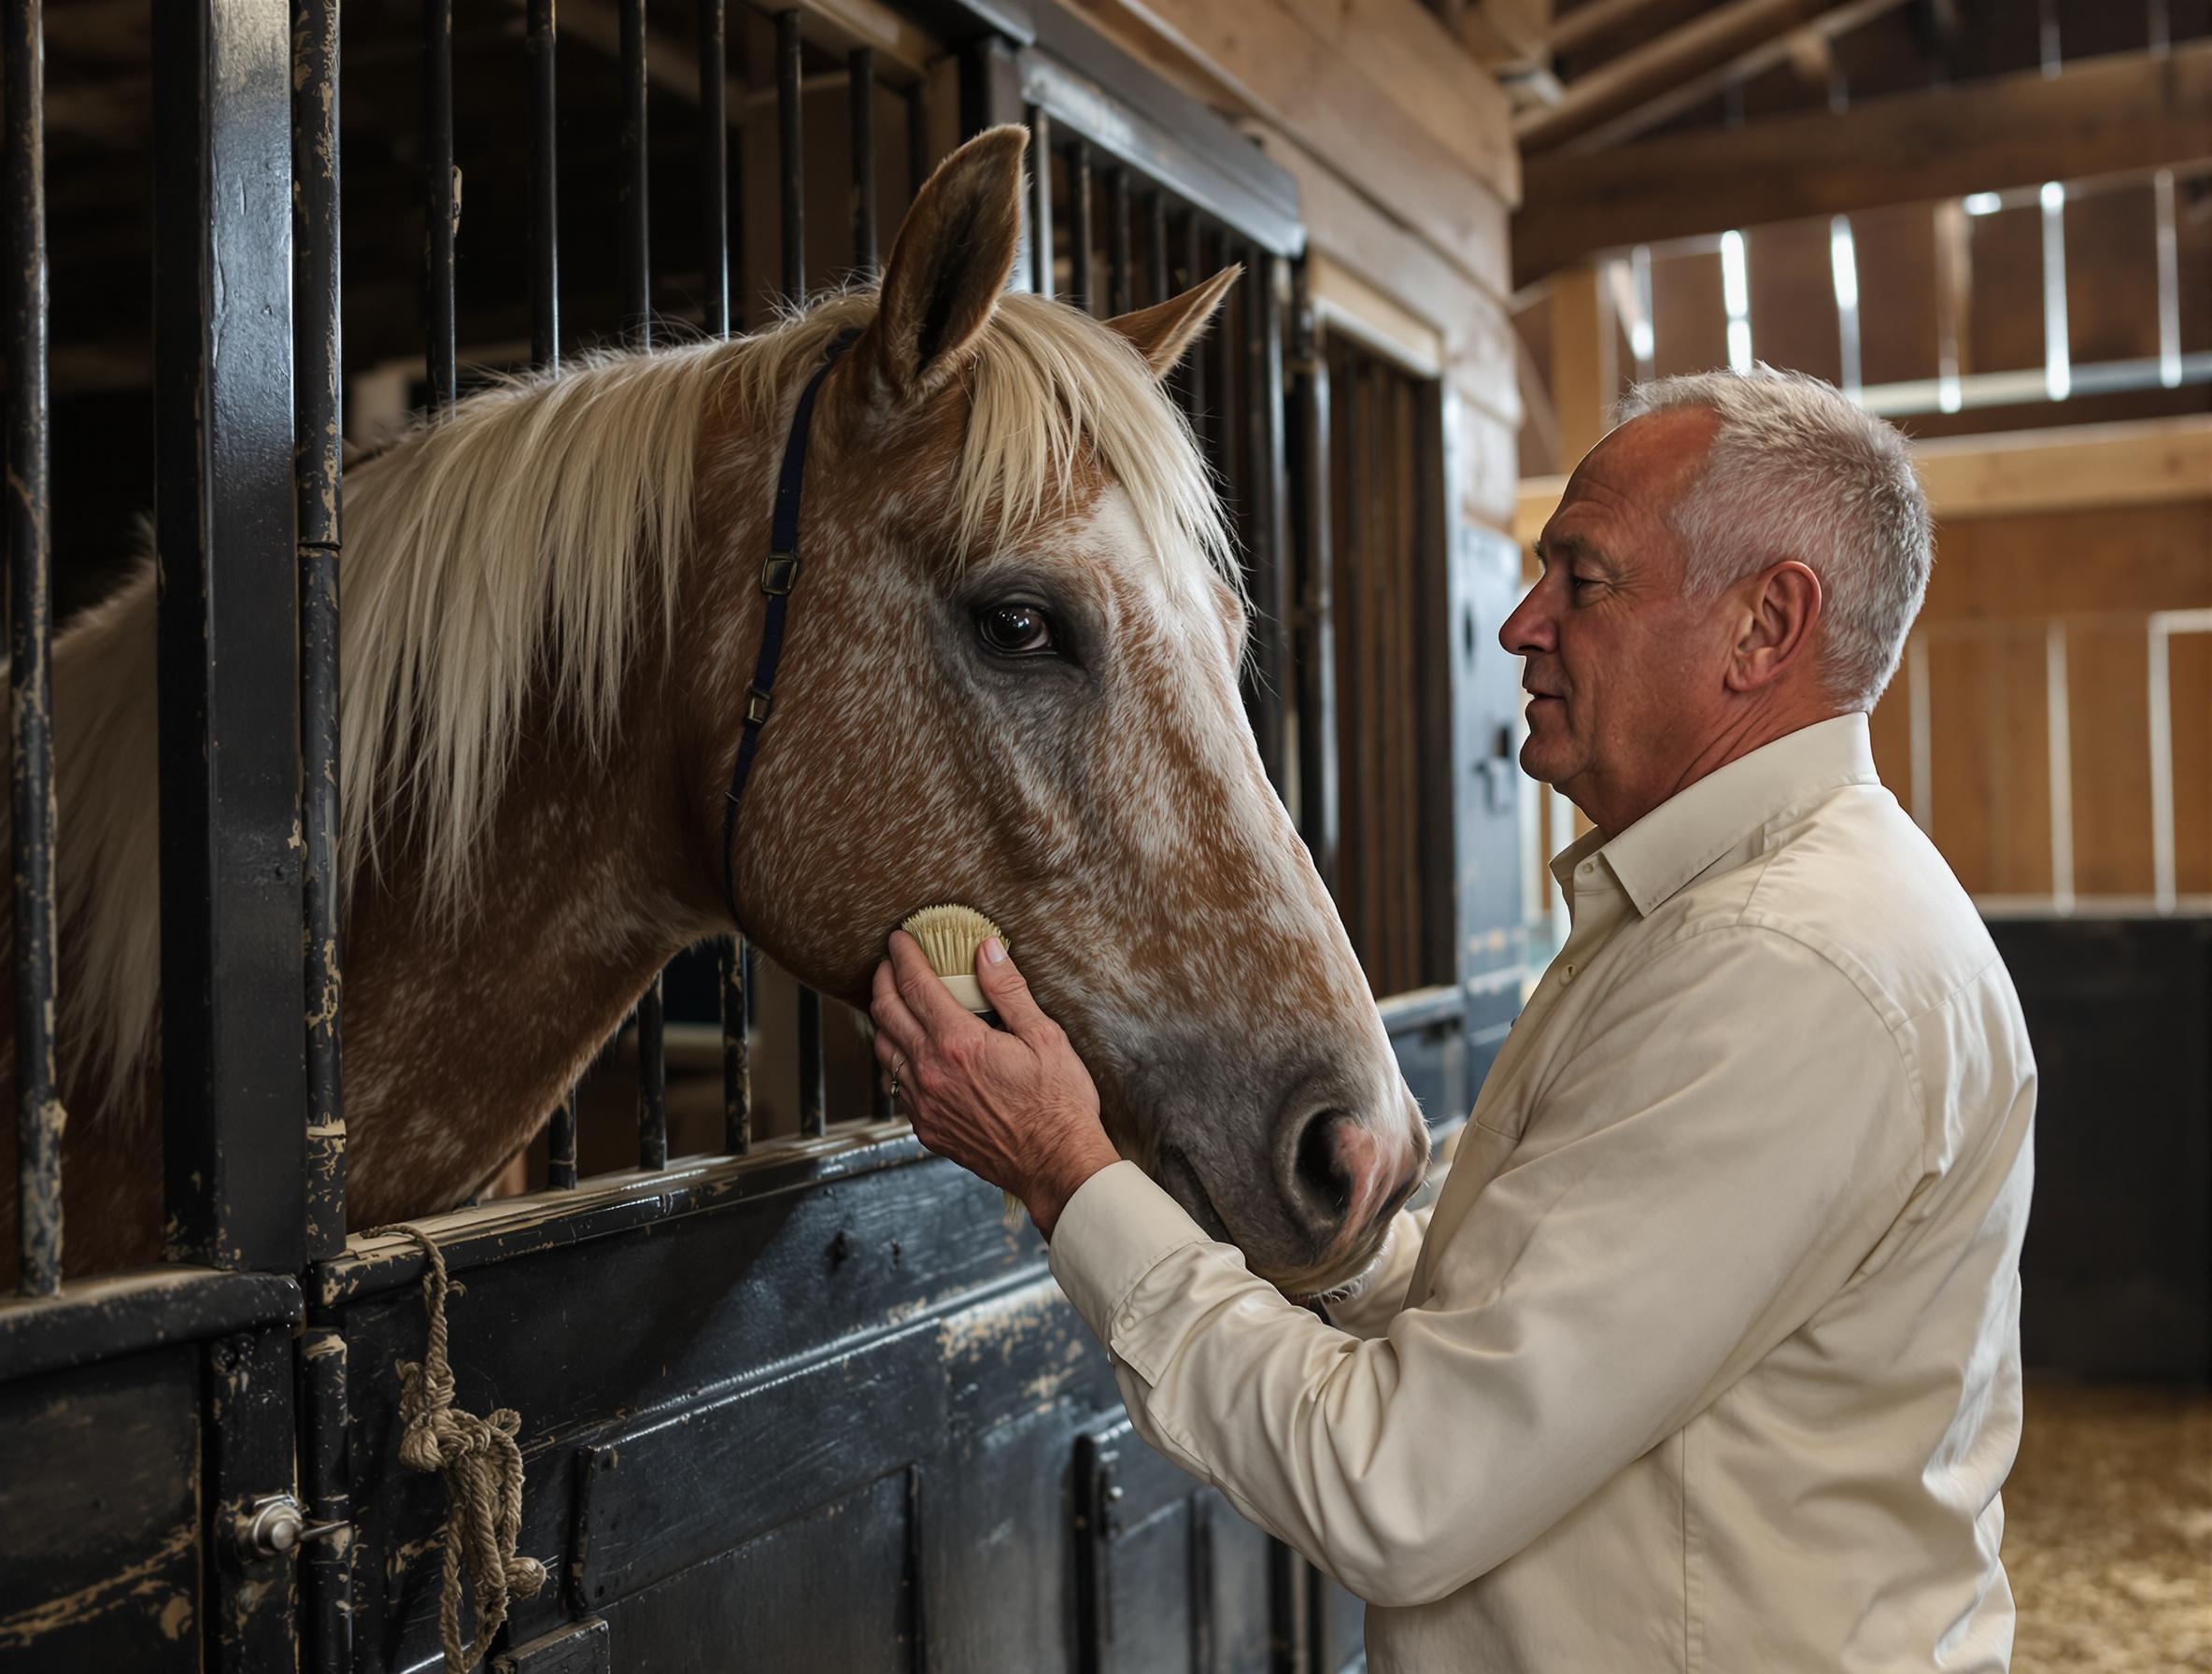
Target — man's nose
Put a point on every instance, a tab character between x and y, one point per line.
1530	628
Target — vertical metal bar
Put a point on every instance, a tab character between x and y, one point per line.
636	233
317	427
232	1072
652	1079
560	1145
1119	280
860	92
1079	227
814	1104
791	188
715	234
326	1566
1040	229
442	201
1220	351
1156	248
30	672
1316	641
1266	496
737	1063
918	159
790	155
635	241
713	166
541	41
1194	366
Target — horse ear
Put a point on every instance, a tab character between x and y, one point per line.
951	261
1164	331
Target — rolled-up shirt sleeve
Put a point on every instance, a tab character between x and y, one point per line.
1711	1160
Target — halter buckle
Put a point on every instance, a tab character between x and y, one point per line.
758	705
778	574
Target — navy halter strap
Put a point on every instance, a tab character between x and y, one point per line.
777	577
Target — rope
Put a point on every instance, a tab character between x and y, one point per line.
483	1470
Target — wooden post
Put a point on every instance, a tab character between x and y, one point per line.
1585	361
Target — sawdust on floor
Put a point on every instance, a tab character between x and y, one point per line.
2108	1530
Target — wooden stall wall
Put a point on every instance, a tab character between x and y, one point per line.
2003	583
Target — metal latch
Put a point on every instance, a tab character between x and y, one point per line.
274	1526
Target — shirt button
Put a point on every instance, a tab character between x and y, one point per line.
1129	1322
1587	867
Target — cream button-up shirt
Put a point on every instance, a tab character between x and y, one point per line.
1706	1357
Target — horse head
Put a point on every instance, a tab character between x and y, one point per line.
1011	680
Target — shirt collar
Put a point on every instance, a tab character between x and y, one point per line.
1686	833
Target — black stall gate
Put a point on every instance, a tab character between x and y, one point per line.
800	1399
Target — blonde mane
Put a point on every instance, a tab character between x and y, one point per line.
516	543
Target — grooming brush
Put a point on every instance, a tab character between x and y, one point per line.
950	936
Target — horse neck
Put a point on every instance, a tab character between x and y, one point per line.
462	1031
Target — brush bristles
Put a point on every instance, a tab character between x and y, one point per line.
950	936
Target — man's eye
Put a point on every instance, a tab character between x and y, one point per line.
1015	630
1583	581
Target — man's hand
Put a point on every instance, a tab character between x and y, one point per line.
1018	1107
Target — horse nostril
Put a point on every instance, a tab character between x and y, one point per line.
1321	1172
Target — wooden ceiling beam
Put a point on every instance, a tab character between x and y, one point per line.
1590	22
1807	44
2101	117
1714	43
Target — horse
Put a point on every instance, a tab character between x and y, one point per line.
1009	679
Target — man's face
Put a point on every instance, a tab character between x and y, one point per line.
1617	658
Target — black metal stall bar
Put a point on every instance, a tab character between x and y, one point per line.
860	90
714	169
541	42
441	202
560	1145
634	239
1194	363
791	154
1266	501
318	428
861	96
1119	280
1080	226
814	1114
232	1072
1315	641
30	673
734	960
1041	275
1155	249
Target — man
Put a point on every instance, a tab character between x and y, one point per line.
1706	1357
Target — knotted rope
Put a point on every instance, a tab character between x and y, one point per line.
483	1470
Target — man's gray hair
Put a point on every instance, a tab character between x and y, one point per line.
1796	470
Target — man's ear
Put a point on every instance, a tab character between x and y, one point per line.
1782	604
948	267
1165	330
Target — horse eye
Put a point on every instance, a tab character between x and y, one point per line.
1015	630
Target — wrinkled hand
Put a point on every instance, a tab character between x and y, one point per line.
1015	1106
